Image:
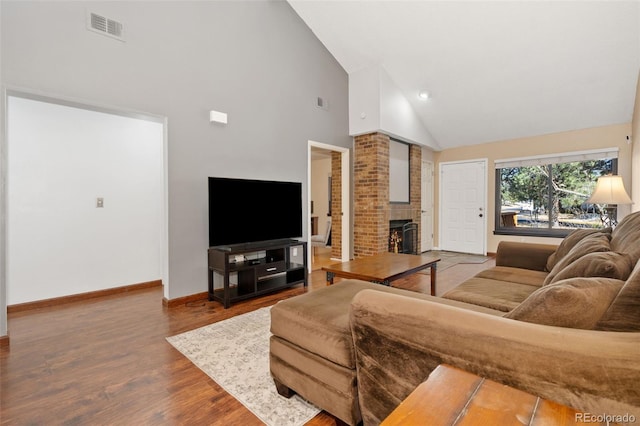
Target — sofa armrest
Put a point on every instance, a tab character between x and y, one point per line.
400	340
524	255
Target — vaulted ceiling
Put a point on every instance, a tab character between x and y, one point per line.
495	70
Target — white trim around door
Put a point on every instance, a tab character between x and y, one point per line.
426	205
346	199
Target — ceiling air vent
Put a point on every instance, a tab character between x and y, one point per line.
105	26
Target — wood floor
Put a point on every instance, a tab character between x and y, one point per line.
105	361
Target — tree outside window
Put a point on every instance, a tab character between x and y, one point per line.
549	199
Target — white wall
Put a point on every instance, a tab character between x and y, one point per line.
364	101
397	116
256	61
634	188
320	172
377	104
61	159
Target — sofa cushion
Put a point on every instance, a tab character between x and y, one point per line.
569	242
523	255
573	303
494	294
624	312
596	242
318	323
514	275
600	264
625	237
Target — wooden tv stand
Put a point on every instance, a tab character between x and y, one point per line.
250	270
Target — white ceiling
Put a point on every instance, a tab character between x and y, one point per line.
496	70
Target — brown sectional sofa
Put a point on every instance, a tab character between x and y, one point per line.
312	350
561	322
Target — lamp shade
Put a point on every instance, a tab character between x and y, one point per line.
610	190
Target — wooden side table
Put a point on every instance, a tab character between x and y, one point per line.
451	396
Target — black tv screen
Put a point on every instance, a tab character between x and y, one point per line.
247	211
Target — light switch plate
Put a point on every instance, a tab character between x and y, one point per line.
100	202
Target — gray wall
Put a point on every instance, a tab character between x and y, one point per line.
256	61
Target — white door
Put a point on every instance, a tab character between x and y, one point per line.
426	213
463	221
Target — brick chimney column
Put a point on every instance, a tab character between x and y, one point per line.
336	205
371	194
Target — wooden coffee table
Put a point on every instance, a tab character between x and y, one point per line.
384	268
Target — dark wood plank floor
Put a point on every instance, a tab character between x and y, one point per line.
105	361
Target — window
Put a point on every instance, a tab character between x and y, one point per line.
547	195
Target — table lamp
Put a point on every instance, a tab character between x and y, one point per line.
610	192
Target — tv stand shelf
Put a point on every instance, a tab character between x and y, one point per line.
250	270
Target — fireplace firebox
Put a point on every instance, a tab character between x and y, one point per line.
403	236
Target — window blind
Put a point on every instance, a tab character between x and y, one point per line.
564	157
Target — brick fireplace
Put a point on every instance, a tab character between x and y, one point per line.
372	209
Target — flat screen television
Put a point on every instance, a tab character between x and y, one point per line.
249	211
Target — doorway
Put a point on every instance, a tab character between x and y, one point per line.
86	198
463	205
331	204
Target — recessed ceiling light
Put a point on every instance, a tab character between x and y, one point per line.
424	95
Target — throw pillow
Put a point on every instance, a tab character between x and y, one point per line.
596	242
626	236
600	264
569	242
624	312
572	303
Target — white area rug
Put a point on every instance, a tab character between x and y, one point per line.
235	354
